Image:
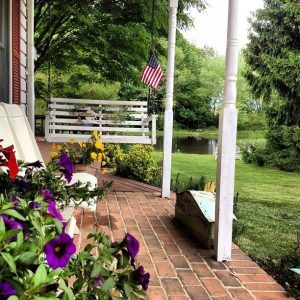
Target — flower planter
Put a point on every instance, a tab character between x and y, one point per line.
85	168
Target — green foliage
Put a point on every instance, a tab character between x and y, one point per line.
254	152
251	120
178	185
137	163
273	59
198	82
79	82
111	37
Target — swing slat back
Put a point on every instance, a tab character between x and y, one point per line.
117	121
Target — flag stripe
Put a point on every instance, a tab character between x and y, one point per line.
152	73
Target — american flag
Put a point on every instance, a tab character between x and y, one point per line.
152	73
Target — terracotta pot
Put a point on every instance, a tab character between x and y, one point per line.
85	168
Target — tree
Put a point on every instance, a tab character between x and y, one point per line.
112	37
273	58
198	80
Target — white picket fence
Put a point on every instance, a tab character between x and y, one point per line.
117	121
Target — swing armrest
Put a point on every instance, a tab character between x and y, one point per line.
151	119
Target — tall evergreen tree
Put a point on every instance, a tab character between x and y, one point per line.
273	57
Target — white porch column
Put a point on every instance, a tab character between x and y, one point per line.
227	142
168	115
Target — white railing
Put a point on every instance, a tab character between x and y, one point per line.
117	121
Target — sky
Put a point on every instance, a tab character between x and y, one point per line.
211	26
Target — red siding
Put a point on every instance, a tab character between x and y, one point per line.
16	41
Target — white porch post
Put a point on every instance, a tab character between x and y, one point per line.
168	115
227	142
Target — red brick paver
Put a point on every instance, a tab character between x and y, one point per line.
180	269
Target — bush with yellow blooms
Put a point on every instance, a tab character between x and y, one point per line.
82	152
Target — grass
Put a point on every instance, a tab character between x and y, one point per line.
213	133
269	203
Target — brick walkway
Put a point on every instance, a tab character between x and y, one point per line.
180	269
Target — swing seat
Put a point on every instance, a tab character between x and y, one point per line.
15	130
118	121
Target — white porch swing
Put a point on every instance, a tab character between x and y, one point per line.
118	121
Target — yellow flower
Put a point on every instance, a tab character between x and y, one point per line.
80	144
53	146
99	158
95	133
72	140
84	145
103	163
58	147
94	155
104	172
53	154
99	145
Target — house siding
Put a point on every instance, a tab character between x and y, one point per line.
23	54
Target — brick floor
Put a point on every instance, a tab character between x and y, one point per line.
180	269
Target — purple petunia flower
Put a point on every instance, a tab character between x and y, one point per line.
15	200
47	195
52	211
10	225
36	164
133	245
141	277
99	281
34	205
22	184
6	290
68	168
59	250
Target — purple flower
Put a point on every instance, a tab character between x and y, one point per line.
52	211
48	196
141	277
59	250
66	163
15	200
11	225
6	290
36	164
22	184
34	205
99	281
133	245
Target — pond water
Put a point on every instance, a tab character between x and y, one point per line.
190	144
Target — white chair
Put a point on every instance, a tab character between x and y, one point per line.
15	129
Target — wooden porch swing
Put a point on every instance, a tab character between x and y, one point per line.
118	121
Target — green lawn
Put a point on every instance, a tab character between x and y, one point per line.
213	133
269	202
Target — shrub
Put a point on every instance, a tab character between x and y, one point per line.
112	151
253	152
138	164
